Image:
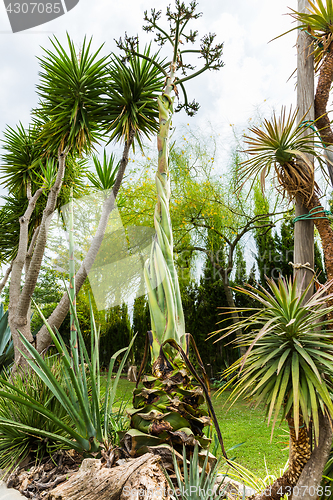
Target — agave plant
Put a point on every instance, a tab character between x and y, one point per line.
167	409
288	363
281	147
86	427
193	483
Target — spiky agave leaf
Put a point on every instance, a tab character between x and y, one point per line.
288	364
281	146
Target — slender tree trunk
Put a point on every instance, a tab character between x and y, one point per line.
61	311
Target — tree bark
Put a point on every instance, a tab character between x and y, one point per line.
15	321
95	482
310	479
300	452
304	229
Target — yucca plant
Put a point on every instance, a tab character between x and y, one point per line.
288	363
134	85
281	147
86	427
193	483
23	429
105	176
167	409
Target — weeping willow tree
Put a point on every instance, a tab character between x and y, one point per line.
167	409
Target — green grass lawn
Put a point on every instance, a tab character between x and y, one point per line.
242	424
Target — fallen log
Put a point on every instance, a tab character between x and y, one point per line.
137	478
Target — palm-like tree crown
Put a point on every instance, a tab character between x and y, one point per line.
132	93
71	94
282	145
317	22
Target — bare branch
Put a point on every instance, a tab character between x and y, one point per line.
6	276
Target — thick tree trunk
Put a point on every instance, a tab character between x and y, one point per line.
136	478
321	98
311	477
304	230
300	452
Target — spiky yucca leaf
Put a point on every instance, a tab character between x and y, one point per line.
289	361
106	172
282	145
71	89
22	153
132	92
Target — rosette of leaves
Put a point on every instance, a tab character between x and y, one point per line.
281	147
317	21
71	90
288	364
132	90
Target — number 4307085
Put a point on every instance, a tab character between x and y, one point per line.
34	7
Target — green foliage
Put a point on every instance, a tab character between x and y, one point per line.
116	333
277	147
23	429
87	427
6	342
317	22
71	91
141	325
193	484
105	176
275	250
15	204
201	302
288	352
132	91
22	154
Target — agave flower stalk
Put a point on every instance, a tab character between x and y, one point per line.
167	409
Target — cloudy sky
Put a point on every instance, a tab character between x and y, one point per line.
255	75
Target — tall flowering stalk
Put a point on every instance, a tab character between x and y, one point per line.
167	409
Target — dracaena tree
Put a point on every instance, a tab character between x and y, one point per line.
167	409
83	98
287	366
